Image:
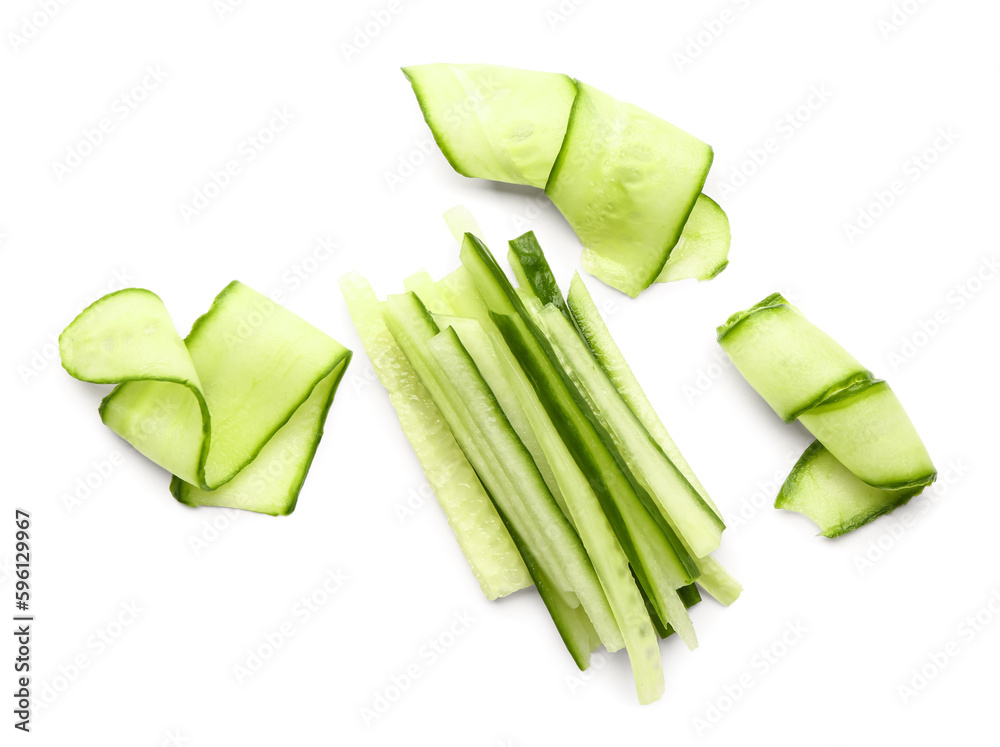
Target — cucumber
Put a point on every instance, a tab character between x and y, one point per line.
703	249
495	122
868	457
481	535
792	363
607	353
803	373
659	559
626	181
694	521
533	272
235	410
822	488
499	457
870	433
501	370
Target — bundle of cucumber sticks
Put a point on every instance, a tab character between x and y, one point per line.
544	452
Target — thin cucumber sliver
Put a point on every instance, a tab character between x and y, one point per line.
251	380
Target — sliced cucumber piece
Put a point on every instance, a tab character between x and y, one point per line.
823	489
694	521
792	363
626	181
533	272
498	366
658	558
803	373
481	535
703	249
870	433
499	457
244	396
609	356
495	122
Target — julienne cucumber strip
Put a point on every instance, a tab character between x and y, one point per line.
567	465
583	311
481	534
582	508
658	557
504	465
234	428
683	508
864	431
628	182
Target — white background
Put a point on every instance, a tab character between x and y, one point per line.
169	675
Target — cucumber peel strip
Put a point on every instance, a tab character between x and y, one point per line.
235	410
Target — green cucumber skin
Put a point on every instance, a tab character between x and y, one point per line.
817	476
527	259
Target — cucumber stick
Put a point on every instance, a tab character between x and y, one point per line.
583	311
803	373
481	534
657	556
499	457
235	410
628	182
580	504
683	508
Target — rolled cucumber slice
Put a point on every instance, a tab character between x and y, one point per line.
626	181
235	411
870	433
823	489
860	425
792	363
702	252
495	122
481	535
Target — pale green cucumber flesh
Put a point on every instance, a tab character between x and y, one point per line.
792	363
871	434
822	488
657	557
698	526
499	457
495	122
208	406
626	181
702	251
482	537
581	506
607	353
